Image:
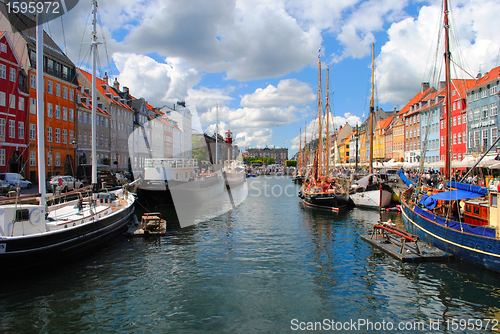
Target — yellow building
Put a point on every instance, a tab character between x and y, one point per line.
398	139
379	140
363	142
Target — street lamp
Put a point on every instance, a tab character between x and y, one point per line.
74	143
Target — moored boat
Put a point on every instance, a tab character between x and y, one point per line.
35	235
463	219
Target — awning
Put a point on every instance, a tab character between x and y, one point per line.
452	195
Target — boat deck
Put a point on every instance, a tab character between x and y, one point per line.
404	246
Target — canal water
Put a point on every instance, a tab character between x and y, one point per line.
270	265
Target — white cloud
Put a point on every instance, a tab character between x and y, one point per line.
287	92
408	57
335	122
159	83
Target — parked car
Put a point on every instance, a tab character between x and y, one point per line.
5	187
64	184
16	179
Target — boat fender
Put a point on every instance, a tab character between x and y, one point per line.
36	217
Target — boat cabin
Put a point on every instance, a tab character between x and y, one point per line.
476	212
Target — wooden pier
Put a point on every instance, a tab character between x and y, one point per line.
403	245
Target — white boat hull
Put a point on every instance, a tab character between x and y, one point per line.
371	198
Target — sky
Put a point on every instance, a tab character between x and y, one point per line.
256	61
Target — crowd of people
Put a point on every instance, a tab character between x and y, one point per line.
436	180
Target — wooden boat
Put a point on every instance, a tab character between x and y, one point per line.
320	191
371	191
36	235
464	220
151	224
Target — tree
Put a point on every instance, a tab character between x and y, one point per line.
291	163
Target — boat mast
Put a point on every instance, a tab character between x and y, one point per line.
305	145
40	86
370	166
356	157
300	151
319	117
327	125
94	97
447	59
217	133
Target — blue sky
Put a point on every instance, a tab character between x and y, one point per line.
257	59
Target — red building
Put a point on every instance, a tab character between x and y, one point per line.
458	140
13	110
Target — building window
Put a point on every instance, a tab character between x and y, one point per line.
12	128
484	93
493	109
49	159
65	92
20	130
65	136
485	138
3	47
32	131
58	89
485	111
71	135
50	87
58	135
2	157
459	140
459	119
32	158
33	106
454	139
33	81
58	159
454	121
49	134
21	103
493	90
477	116
71	115
3	71
12	101
85	116
12	74
71	94
464	118
476	138
494	134
50	110
58	112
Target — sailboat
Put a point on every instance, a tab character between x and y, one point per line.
35	235
464	219
370	191
321	191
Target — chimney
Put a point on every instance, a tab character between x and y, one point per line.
116	85
442	85
105	77
125	90
425	86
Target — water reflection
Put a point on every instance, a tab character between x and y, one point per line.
252	269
